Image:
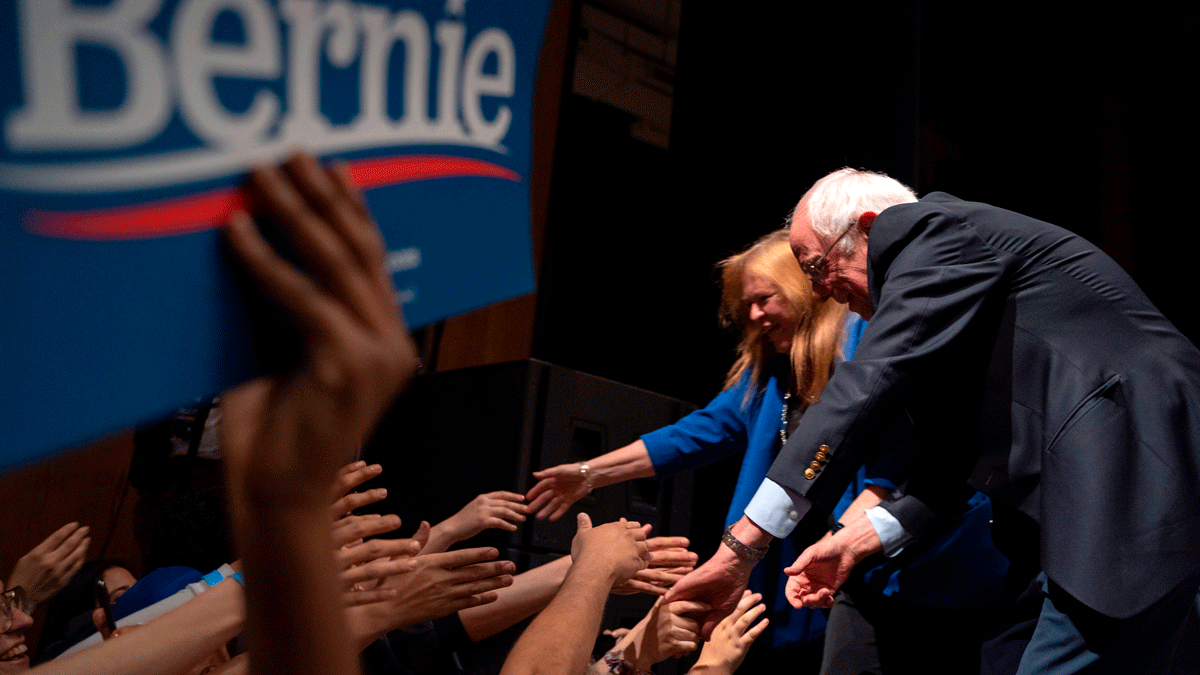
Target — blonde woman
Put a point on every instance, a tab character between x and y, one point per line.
788	345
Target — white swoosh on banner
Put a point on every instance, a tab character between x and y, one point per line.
181	166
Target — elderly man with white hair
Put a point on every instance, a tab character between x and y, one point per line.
1034	369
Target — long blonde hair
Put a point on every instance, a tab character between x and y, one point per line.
818	336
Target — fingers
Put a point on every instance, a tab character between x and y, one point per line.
485	572
355	597
506	496
375	549
353	528
557	471
59	536
583	523
558	507
422	533
670	557
461	557
743	622
365	238
351	476
658	576
682	607
538	497
75	547
375	570
751	635
637	586
336	273
747	601
278	278
668	543
356	500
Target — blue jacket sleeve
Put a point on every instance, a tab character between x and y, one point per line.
705	436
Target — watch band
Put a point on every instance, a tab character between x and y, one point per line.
747	553
619	666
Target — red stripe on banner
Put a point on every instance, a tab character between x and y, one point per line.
194	213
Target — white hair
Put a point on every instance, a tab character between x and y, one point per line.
837	200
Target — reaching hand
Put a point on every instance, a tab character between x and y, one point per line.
500	510
50	565
618	549
820	570
349	477
433	586
558	487
674	633
732	638
718	583
364	563
669	560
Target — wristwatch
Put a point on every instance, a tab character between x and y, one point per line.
747	553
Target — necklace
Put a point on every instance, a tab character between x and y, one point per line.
783	419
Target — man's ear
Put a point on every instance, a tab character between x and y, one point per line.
866	220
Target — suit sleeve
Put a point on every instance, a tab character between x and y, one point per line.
938	289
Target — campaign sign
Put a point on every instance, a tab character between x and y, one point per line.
126	127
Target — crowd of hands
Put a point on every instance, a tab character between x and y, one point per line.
321	581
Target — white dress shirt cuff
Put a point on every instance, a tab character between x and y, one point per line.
891	533
776	509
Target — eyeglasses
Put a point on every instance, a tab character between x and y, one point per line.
12	600
816	269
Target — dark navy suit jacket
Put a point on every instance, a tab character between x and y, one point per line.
1034	369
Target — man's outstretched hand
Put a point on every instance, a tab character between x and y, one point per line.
718	583
823	567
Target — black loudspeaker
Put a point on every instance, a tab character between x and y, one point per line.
454	435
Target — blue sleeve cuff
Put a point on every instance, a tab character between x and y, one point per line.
890	531
775	509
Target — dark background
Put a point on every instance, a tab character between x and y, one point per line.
1075	117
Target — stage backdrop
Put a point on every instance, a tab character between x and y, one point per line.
126	127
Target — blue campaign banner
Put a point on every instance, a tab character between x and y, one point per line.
127	126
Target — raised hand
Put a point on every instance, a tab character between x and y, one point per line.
433	586
665	631
500	510
305	425
618	548
558	487
349	477
669	560
286	436
364	563
727	648
50	565
673	632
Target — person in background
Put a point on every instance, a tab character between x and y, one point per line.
15	621
68	614
51	564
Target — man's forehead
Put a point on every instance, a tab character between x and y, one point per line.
801	236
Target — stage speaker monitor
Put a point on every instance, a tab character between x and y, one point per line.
457	434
